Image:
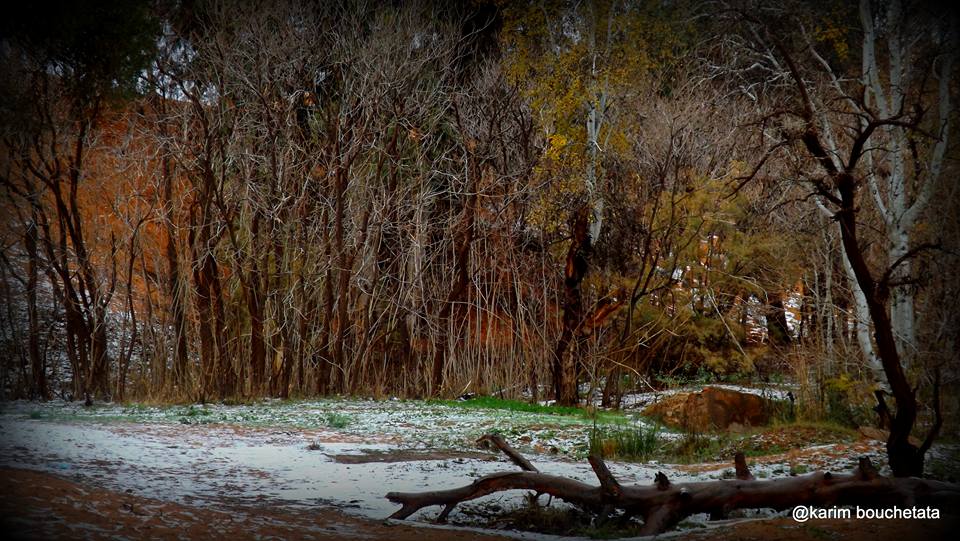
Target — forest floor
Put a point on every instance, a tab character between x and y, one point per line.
320	469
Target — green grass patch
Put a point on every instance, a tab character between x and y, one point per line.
197	415
494	403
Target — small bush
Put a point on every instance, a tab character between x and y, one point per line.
196	416
194	411
135	409
336	420
847	401
782	411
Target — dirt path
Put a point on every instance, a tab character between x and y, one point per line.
786	529
38	506
42	506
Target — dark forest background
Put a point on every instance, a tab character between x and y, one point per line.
230	200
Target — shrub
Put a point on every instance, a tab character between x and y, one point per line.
336	420
629	442
846	401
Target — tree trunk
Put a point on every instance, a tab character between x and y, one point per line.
324	361
343	273
224	374
906	459
214	367
100	361
175	290
777	328
205	324
902	316
566	356
861	311
37	365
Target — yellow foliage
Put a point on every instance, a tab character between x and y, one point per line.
557	142
570	58
831	30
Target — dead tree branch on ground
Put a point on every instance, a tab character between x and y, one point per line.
664	504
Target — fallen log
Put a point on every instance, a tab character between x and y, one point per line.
664	504
497	440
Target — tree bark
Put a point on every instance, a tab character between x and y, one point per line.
324	362
256	304
209	303
566	355
37	365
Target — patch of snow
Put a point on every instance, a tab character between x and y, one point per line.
640	400
283	453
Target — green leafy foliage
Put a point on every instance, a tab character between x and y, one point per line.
847	401
337	420
98	49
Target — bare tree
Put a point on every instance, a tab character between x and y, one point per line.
860	135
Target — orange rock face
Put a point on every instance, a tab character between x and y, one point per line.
713	408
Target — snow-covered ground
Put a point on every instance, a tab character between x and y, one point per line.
414	424
287	454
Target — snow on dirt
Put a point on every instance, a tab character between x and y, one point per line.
298	455
640	400
279	452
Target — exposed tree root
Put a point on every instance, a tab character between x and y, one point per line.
664	504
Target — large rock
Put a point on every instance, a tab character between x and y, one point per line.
713	408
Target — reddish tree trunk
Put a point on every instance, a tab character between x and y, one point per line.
566	355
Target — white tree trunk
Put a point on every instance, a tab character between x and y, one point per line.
596	203
901	298
597	105
829	311
901	193
861	314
